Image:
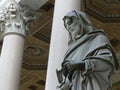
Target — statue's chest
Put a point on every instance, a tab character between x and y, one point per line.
79	53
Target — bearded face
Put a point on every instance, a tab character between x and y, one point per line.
69	22
72	26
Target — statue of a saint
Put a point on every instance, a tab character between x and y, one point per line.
89	60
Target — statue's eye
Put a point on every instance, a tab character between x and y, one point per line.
69	20
72	18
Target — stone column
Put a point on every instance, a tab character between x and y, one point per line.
59	40
13	25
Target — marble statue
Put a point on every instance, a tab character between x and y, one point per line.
89	61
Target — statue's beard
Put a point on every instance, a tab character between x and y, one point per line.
74	32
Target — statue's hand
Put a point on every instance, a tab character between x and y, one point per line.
70	66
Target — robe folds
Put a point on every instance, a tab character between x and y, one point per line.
95	50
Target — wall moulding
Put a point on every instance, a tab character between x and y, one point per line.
104	10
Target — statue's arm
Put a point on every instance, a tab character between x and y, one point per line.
101	61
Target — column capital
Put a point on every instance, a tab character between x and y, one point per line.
14	19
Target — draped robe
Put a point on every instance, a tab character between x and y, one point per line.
95	50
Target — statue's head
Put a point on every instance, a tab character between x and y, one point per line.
77	23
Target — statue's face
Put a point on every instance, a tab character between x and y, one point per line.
70	22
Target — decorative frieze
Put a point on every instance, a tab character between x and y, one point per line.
34	50
31	66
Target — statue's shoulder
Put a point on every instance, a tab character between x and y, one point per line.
97	32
